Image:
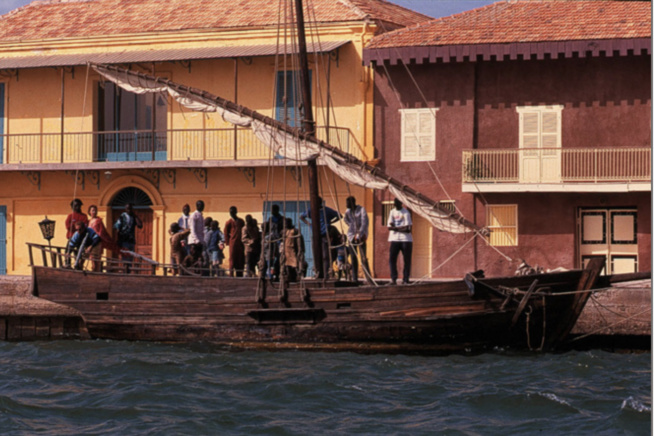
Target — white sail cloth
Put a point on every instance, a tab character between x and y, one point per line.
290	146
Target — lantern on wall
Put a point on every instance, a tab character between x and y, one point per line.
47	228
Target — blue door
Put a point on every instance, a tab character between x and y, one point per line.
2	121
293	210
3	240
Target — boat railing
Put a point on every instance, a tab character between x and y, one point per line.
59	257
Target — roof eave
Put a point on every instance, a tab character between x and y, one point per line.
507	51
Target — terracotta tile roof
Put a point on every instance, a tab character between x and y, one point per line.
82	18
528	21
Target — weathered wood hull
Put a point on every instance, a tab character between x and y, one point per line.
435	316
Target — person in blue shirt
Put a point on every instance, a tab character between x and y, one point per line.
327	217
82	242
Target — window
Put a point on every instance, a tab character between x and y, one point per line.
540	144
289	98
132	126
448	205
418	134
540	126
502	221
387	206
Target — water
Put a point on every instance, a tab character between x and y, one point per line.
122	388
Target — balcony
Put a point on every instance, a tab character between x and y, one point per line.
557	170
228	147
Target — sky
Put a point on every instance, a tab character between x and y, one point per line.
433	8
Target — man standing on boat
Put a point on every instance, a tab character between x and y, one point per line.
126	225
327	217
233	238
356	217
399	235
184	223
196	225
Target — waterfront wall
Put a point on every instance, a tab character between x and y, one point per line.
24	317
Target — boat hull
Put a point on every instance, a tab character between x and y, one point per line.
434	316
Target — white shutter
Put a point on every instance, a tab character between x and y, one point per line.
418	134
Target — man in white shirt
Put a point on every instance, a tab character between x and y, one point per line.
196	224
183	222
399	235
356	218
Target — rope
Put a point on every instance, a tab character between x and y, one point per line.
421	279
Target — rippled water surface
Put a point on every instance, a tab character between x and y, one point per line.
102	387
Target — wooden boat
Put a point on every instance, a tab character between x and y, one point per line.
533	312
525	312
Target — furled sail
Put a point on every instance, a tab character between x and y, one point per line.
291	143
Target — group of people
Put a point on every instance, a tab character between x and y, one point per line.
198	243
87	238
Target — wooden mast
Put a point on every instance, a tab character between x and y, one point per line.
308	127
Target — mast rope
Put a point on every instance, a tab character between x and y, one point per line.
428	275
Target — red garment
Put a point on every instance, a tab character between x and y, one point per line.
107	242
233	232
71	219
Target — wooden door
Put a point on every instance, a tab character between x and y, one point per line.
540	145
144	235
421	256
610	233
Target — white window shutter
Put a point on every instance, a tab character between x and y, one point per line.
418	134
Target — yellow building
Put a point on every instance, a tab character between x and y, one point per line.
66	133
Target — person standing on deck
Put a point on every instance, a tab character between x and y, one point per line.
356	218
126	225
293	251
177	250
184	223
97	225
327	216
196	225
273	238
399	225
75	216
215	247
251	237
233	238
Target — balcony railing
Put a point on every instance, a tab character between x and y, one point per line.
171	145
557	165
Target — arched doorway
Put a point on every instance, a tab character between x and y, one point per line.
141	203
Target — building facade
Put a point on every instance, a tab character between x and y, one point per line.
66	133
533	119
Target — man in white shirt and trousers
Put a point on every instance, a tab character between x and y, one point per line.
399	235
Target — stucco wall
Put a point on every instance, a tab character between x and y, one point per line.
606	104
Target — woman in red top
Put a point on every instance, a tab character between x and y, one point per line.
96	224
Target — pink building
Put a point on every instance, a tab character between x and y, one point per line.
530	118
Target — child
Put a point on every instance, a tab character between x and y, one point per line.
216	247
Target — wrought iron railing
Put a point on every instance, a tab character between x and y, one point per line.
562	165
146	145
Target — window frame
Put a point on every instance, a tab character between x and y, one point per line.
502	226
540	110
429	155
